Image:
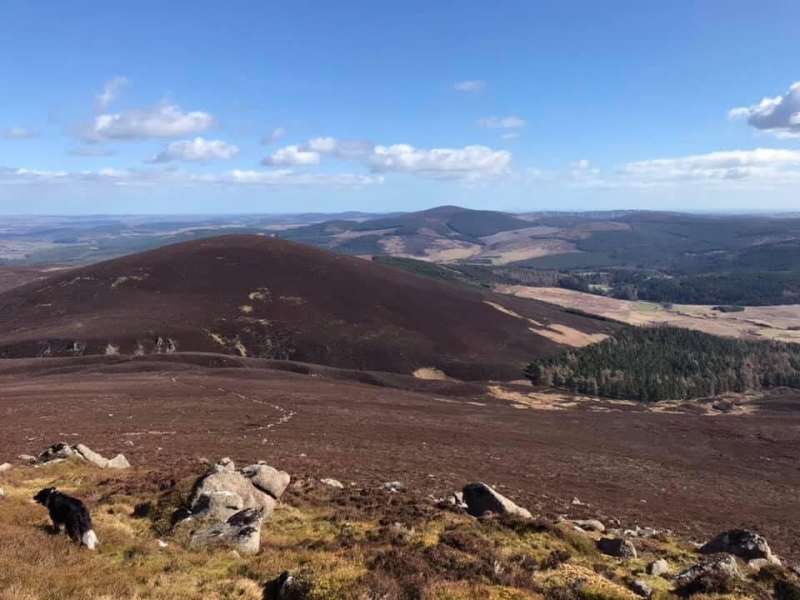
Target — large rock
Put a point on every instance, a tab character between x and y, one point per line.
223	491
619	547
62	451
59	450
229	506
91	456
241	529
589	525
658	567
709	575
481	498
268	479
742	543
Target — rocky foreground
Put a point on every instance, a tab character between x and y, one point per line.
256	532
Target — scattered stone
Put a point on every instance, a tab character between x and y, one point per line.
91	456
742	543
576	502
27	458
59	450
758	563
403	532
162	544
2	492
640	588
332	483
706	576
285	587
394	486
619	547
658	567
589	525
786	590
268	479
481	499
243	529
119	462
5	467
641	532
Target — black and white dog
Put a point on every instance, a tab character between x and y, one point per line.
70	513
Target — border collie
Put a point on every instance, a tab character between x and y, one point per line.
71	513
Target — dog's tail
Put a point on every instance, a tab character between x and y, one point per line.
90	540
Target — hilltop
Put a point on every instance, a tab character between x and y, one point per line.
264	297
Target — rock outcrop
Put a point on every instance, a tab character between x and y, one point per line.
709	575
658	567
619	547
229	505
589	525
745	544
481	499
61	451
242	529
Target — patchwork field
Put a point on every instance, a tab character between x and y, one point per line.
759	322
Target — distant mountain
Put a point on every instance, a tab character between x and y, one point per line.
441	234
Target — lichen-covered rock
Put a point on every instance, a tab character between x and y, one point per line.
59	450
710	576
224	491
658	567
481	499
242	529
619	547
119	462
268	479
589	525
742	543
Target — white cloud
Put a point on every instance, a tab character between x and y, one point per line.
109	94
161	121
19	133
91	151
763	165
502	123
473	85
292	155
779	115
176	178
198	149
441	163
273	136
438	163
510	136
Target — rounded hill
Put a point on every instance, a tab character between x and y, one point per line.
263	297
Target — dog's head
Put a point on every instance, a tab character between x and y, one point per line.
43	497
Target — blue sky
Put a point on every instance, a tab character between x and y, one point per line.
167	107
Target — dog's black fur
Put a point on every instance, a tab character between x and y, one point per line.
70	513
